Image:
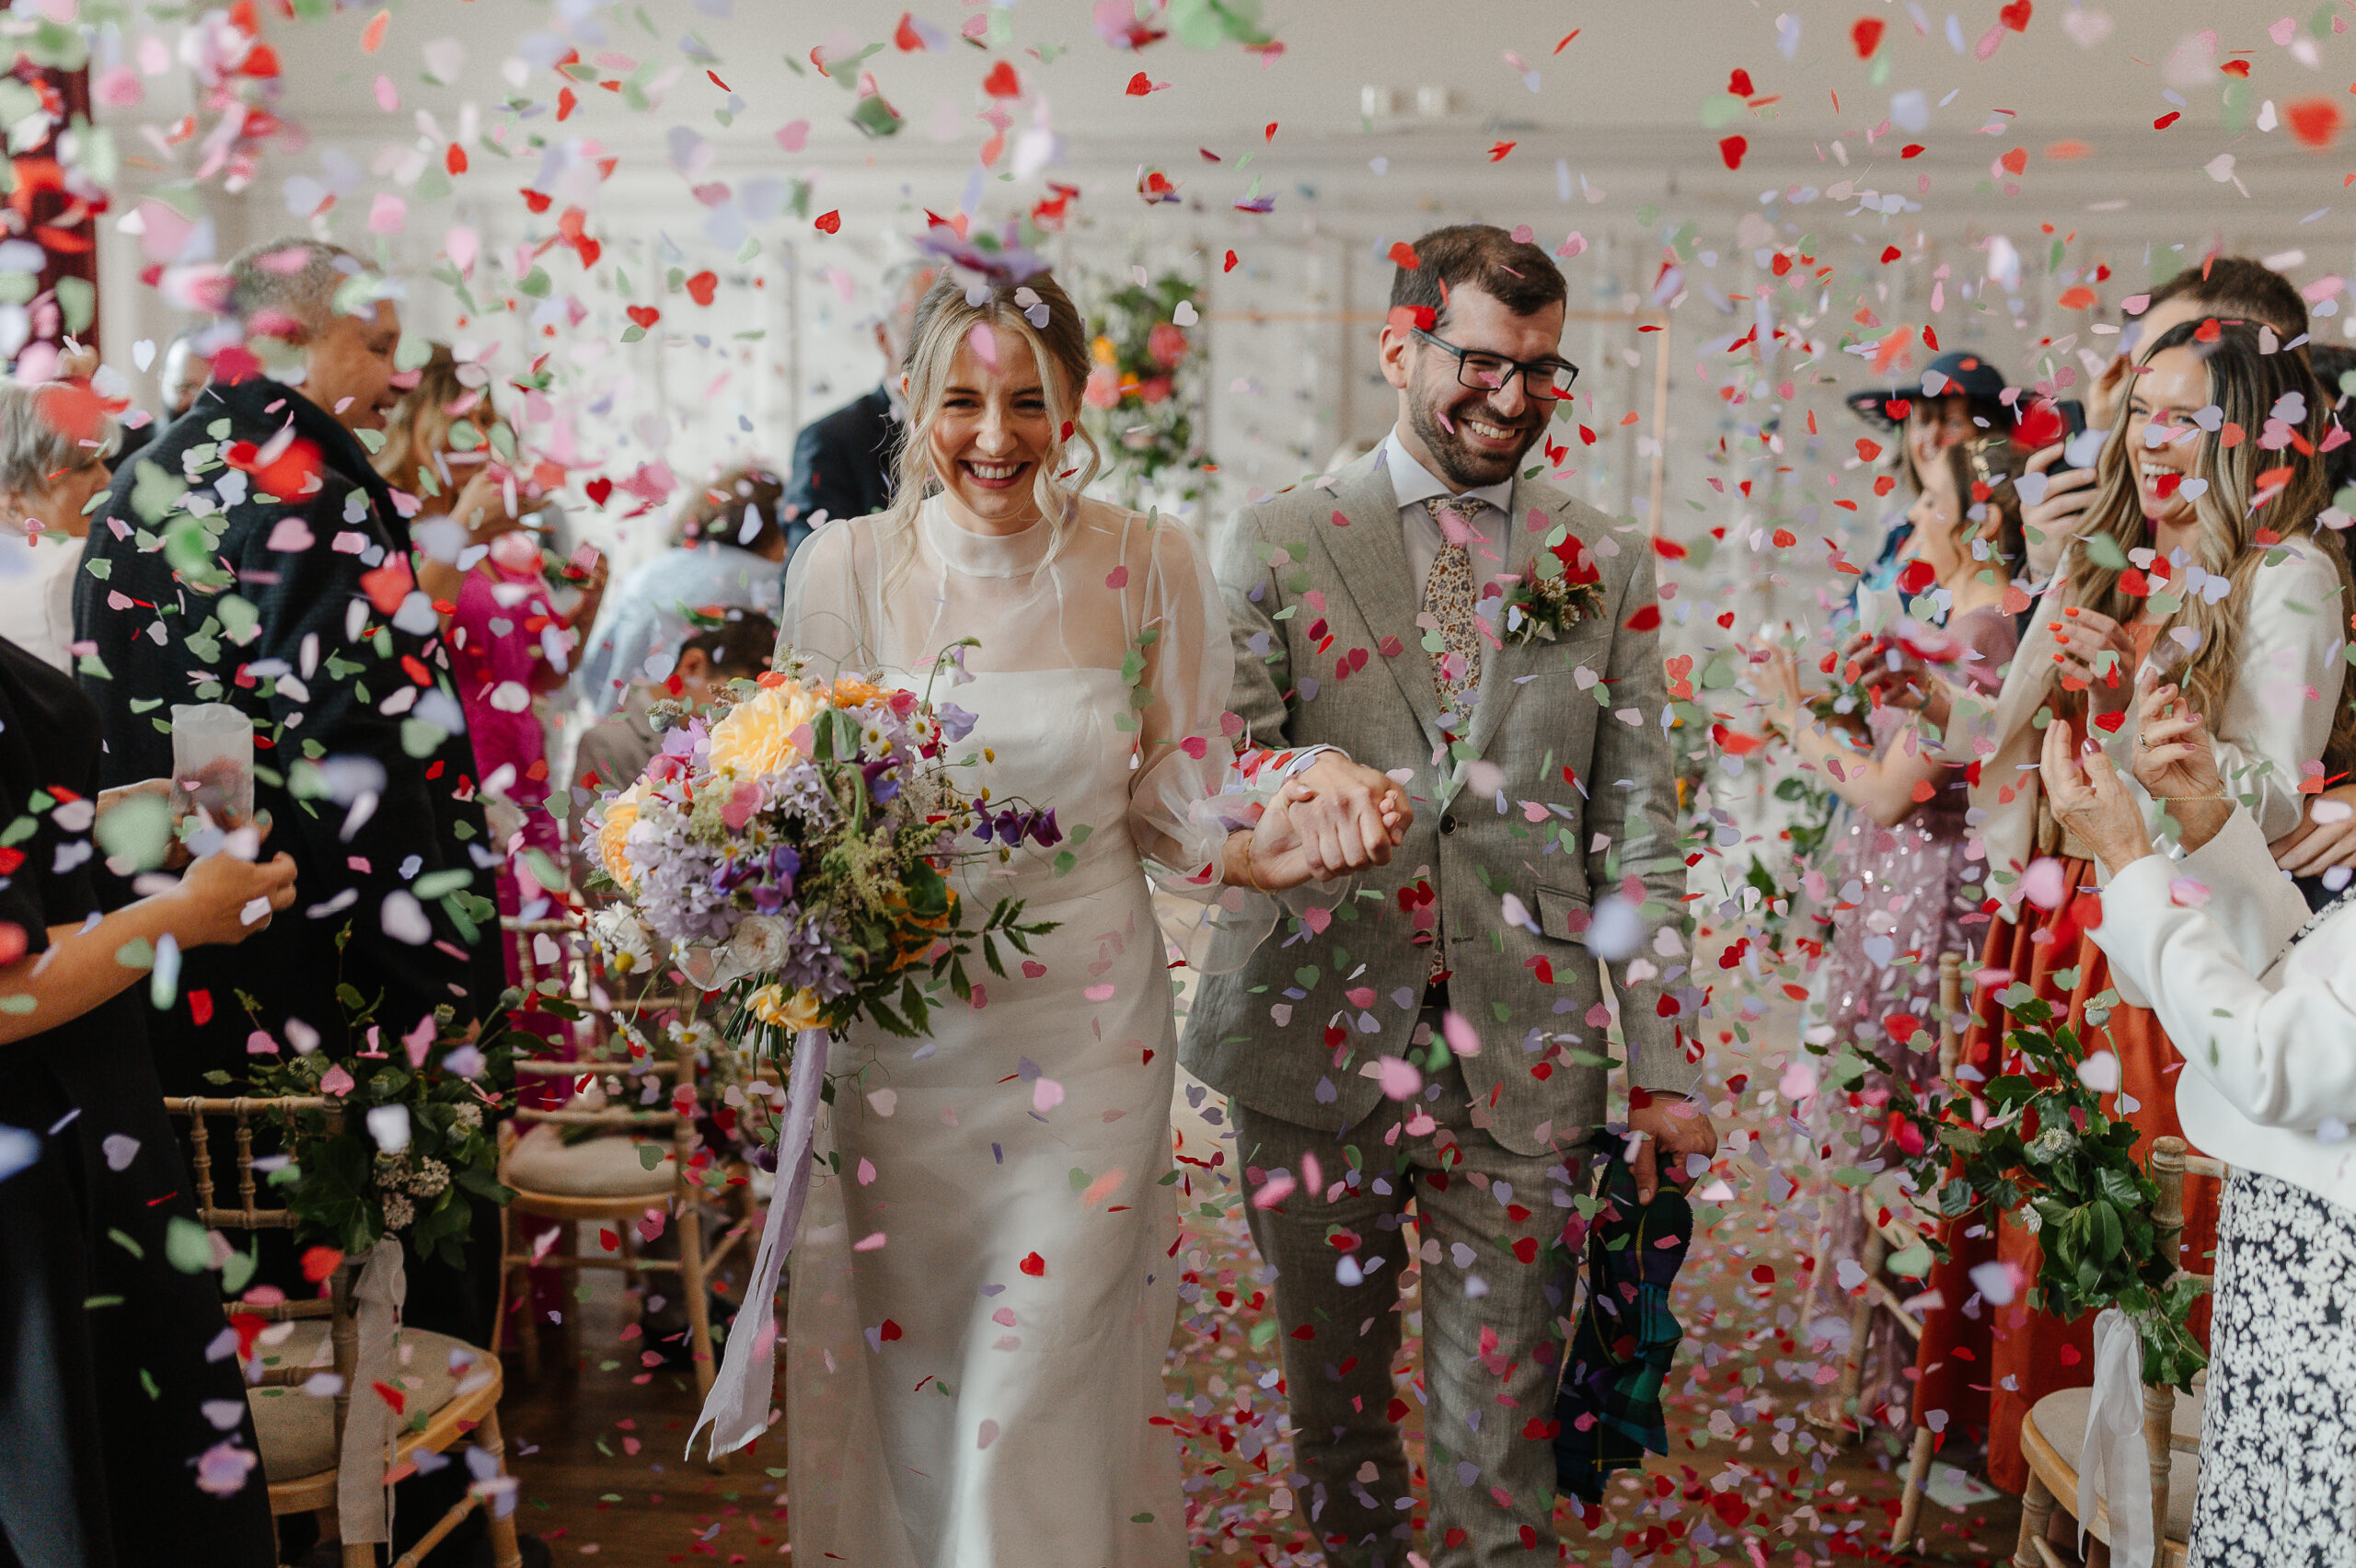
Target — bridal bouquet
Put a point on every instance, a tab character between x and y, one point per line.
789	851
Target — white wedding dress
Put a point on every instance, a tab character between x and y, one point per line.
985	1285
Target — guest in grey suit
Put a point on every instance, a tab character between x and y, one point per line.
1448	1037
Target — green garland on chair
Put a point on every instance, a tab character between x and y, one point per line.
2044	1148
343	1188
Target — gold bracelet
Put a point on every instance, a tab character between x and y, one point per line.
2193	797
1248	880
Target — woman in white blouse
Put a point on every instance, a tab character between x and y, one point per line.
2260	999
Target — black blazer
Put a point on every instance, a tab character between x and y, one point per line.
842	464
293	611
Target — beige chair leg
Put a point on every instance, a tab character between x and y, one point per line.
1850	1421
689	1220
1909	1502
2037	1516
506	1267
362	1555
504	1553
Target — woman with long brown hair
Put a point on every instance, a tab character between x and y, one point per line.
985	1287
2199	558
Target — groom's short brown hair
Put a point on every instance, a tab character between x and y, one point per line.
1521	277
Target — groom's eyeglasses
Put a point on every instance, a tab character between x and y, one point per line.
1543	381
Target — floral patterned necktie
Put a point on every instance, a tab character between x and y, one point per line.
1455	646
1448	599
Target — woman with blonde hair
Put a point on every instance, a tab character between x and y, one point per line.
987	1278
2198	558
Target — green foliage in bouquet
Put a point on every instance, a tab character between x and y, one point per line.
1140	401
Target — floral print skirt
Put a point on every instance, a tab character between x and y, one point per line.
2278	1432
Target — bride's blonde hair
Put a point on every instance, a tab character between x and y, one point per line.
945	319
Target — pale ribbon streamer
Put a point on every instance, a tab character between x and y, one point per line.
363	1503
737	1409
2114	1465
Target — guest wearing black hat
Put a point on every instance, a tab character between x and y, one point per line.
1958	399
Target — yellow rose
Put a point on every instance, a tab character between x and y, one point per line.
772	1006
621	812
757	735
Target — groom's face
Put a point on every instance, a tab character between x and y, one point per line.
1473	436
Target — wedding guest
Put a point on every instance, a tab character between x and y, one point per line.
730	542
108	1449
2320	853
1903	863
2251	653
615	750
343	662
842	463
2230	288
1959	398
2253	990
509	644
53	454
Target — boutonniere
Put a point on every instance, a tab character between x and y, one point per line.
1559	588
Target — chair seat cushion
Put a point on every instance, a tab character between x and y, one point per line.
297	1429
606	1166
2061	1419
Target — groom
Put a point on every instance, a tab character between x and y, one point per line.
1447	1038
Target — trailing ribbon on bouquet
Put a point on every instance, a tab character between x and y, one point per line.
737	1409
2114	1466
363	1503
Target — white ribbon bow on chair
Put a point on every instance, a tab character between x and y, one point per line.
2114	1464
363	1503
737	1410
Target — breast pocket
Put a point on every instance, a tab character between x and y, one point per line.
1563	914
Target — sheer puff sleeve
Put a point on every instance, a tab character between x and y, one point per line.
1193	783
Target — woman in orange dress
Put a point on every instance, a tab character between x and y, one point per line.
2198	558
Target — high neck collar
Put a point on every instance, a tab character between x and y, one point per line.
984	555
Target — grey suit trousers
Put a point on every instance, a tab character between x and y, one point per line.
1496	1294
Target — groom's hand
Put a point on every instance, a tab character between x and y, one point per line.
1348	815
1673	1126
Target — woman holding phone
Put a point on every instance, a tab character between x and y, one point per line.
2199	557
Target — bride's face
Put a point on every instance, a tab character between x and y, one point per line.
992	430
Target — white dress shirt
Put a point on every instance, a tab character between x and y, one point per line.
1414	484
37	593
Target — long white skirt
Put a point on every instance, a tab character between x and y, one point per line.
985	1288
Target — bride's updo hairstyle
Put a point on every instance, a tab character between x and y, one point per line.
945	320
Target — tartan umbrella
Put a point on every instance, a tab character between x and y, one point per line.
1607	1408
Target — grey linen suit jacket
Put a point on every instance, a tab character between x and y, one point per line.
1323	614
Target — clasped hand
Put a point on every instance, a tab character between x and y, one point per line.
1335	818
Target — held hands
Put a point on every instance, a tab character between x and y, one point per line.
1335	818
1679	1127
2084	637
2090	802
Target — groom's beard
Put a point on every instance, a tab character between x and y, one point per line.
1459	464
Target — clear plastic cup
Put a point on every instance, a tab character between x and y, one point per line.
212	763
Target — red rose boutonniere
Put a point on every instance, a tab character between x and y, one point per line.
1559	588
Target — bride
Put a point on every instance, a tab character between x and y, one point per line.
986	1283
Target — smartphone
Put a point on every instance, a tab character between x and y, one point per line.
2074	416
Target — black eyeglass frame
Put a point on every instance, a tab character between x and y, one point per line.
1520	367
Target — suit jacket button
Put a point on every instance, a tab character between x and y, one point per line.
1447	825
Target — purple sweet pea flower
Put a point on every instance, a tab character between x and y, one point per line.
955	723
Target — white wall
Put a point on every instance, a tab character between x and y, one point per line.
1612	144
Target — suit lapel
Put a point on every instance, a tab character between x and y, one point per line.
1370	556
